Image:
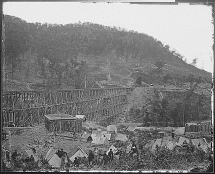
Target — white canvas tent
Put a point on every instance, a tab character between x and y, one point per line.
202	142
50	153
170	145
84	137
95	136
149	145
104	132
112	128
121	137
53	158
168	142
114	149
108	136
100	140
131	128
157	142
77	152
145	128
80	116
182	140
94	131
179	131
55	161
99	129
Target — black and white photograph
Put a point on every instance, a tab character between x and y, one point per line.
107	87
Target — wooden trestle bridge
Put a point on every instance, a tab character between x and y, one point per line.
25	108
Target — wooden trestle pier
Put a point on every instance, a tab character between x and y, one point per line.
29	107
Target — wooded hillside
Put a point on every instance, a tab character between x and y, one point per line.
51	56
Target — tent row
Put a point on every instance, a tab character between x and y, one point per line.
170	143
103	137
55	161
178	131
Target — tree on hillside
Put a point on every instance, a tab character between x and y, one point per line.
188	94
81	73
139	81
16	40
159	64
166	78
161	109
167	47
176	113
194	61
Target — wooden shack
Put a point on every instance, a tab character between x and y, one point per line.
63	123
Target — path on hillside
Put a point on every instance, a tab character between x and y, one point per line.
108	68
130	73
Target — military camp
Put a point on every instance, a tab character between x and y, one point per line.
107	87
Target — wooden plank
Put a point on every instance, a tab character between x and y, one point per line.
16	128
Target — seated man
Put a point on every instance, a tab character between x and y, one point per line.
133	148
32	158
60	153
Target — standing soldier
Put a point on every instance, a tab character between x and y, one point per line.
90	157
96	155
105	158
119	154
63	158
110	154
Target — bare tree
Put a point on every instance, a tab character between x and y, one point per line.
194	61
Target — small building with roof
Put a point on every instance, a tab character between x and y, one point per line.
63	123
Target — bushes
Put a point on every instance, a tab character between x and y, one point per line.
162	159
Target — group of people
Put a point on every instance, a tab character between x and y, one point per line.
17	160
96	157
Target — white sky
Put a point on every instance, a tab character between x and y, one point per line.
186	28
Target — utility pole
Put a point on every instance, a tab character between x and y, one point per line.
183	113
85	84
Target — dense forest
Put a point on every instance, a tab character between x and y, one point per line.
73	55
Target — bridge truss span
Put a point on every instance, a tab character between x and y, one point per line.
29	107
